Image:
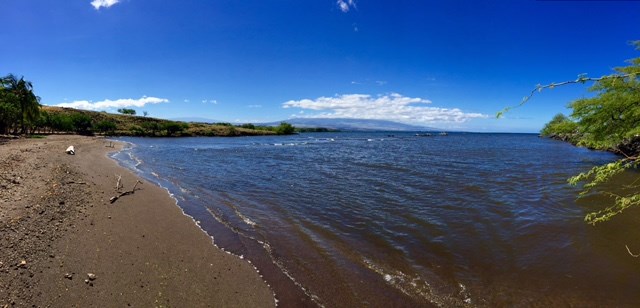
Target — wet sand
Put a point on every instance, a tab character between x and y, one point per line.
57	226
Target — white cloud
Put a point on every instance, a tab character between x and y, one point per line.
346	5
210	101
97	4
393	107
254	106
119	103
186	100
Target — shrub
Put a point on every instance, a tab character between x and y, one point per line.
285	129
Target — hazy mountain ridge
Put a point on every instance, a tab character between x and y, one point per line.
353	124
343	124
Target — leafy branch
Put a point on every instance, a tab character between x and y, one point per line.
608	121
582	79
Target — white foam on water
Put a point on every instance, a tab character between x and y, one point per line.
249	221
464	293
273	259
196	222
182	189
137	161
245	219
417	287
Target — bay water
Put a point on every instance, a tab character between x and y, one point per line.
396	219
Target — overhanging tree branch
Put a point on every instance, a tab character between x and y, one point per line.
582	79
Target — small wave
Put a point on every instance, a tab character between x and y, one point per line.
417	287
246	219
269	250
182	189
134	158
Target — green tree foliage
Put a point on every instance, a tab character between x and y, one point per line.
61	123
613	115
173	128
17	103
43	122
285	129
560	126
608	121
82	123
136	130
9	112
151	128
106	127
127	111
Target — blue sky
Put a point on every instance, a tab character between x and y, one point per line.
449	64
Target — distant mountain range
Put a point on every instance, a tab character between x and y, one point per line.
195	119
352	124
330	123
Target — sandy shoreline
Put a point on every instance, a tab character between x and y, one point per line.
57	226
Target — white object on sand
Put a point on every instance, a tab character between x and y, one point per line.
70	150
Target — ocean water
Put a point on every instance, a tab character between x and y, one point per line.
395	219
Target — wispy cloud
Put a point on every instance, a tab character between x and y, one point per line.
254	106
119	103
393	107
97	4
210	101
346	5
369	82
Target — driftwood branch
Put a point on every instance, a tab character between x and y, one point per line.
629	251
118	183
74	182
129	192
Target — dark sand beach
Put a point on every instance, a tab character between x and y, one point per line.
63	243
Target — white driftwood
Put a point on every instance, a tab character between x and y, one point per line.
70	150
118	184
130	192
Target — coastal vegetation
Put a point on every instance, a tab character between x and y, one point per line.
67	120
19	106
608	121
127	111
21	113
